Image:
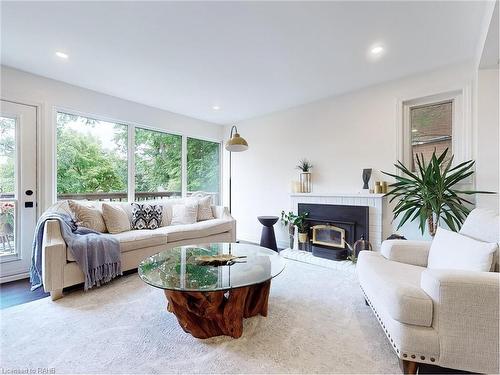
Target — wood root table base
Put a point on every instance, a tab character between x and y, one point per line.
209	314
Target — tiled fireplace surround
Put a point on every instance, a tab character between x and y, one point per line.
375	202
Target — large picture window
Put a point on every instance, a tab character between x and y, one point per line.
203	167
91	158
158	164
93	162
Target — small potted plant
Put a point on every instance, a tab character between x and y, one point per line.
302	226
305	176
287	220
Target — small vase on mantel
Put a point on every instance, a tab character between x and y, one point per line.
305	176
305	182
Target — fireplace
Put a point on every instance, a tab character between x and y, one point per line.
331	227
328	235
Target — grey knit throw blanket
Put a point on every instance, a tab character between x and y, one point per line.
97	255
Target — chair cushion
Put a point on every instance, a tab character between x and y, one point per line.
133	240
395	288
455	251
197	230
482	225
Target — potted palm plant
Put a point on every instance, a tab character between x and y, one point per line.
429	194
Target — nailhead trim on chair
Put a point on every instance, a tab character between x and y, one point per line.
404	355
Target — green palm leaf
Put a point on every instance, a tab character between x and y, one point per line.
429	193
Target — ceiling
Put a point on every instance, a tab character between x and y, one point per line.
249	58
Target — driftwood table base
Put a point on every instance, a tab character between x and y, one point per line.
208	314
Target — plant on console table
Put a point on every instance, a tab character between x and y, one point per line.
429	194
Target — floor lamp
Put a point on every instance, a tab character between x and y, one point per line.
235	144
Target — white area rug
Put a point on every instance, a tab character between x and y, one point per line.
317	323
307	257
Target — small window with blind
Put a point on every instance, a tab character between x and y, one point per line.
431	130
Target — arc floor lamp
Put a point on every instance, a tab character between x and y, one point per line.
235	143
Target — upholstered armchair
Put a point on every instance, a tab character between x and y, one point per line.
443	317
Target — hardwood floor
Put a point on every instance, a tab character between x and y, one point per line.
17	292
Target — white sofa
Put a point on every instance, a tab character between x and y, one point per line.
435	316
59	269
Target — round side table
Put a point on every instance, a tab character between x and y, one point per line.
267	238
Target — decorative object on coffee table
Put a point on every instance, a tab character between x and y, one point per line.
211	301
367	173
236	143
267	237
218	260
429	194
305	177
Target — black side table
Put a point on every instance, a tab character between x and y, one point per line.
267	238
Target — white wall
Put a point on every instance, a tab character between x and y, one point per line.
487	158
50	94
339	135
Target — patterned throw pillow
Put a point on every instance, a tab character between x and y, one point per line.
146	216
88	217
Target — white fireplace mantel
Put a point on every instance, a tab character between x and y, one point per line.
375	203
357	195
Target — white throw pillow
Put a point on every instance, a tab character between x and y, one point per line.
451	250
116	218
184	213
204	208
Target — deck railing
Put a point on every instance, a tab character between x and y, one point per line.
139	196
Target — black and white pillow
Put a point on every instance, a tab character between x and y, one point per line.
146	216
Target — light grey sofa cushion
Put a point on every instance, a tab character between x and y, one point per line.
201	229
396	287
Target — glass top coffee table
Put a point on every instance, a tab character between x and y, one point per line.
210	300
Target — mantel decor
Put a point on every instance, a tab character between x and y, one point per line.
305	176
429	195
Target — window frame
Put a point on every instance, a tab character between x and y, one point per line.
460	139
131	125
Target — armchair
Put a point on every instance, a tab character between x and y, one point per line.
448	318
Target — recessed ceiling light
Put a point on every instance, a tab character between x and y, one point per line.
215	107
377	50
62	55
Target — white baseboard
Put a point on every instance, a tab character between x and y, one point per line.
19	276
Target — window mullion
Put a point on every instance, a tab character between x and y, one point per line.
131	163
184	166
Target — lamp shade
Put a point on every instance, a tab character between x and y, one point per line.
236	143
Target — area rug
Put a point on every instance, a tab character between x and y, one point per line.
317	323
